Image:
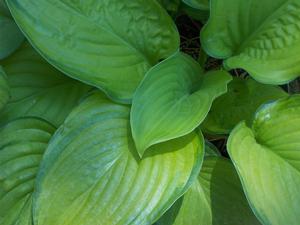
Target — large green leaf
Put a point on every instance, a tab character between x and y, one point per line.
38	89
267	158
22	144
4	89
109	44
239	103
173	100
10	35
260	36
92	174
216	198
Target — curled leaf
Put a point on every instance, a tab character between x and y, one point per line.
173	100
267	158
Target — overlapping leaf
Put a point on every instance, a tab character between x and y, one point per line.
267	158
22	144
211	150
173	100
239	103
262	37
4	89
10	35
92	174
38	89
216	198
109	44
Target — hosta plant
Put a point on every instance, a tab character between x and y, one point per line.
149	112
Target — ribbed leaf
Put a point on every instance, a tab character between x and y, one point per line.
216	198
173	100
10	35
211	150
4	89
92	174
109	44
267	158
37	89
239	103
22	144
260	36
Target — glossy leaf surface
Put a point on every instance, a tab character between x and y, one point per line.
92	174
173	100
267	158
243	98
216	198
262	37
109	44
38	89
22	144
4	89
10	35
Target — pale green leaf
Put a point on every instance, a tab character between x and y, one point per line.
243	98
92	174
38	89
4	89
216	198
267	158
22	144
10	35
173	100
260	36
109	44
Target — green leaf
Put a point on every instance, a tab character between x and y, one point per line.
198	4
173	100
243	98
211	150
216	198
11	37
267	158
22	144
4	89
92	174
262	37
109	44
38	89
170	5
201	14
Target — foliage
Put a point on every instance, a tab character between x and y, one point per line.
149	112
